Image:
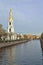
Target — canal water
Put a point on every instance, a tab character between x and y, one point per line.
29	53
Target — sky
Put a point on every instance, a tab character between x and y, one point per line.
27	15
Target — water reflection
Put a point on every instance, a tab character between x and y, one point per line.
1	56
7	56
41	43
23	54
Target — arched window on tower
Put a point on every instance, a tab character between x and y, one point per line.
9	23
10	30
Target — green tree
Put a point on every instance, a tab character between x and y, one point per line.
42	35
1	25
2	30
25	36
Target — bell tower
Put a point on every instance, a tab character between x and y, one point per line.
10	26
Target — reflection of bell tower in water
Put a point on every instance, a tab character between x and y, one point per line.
10	26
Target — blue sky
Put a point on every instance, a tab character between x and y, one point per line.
27	15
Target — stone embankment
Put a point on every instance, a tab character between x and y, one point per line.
11	43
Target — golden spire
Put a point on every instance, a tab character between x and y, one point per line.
10	16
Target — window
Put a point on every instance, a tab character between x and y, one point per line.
10	30
9	23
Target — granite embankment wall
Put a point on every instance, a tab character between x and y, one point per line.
6	44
